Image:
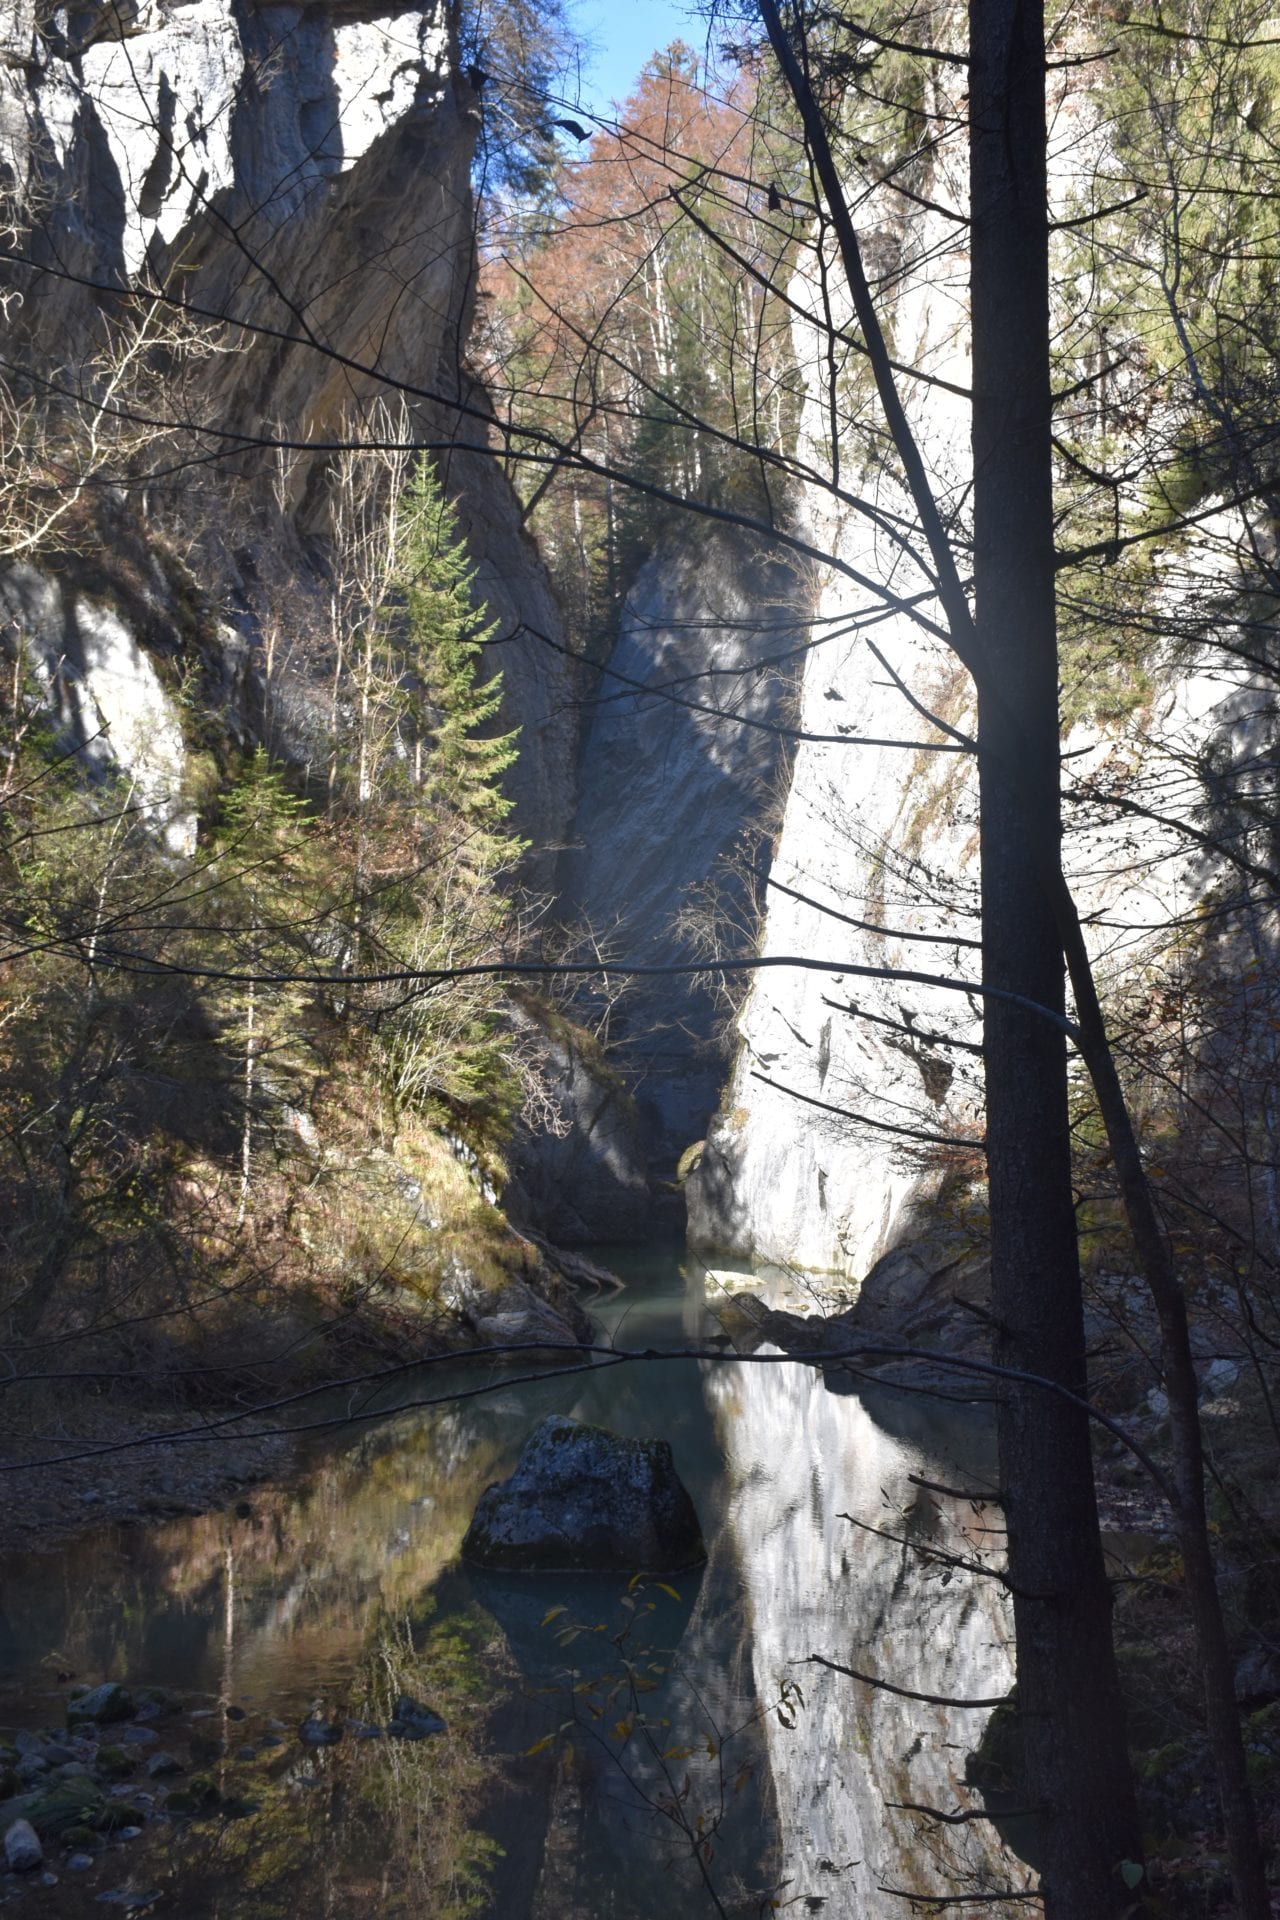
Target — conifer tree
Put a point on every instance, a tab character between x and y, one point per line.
437	899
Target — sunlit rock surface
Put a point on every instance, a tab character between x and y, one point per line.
854	1103
582	1497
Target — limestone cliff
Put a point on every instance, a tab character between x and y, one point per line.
294	182
684	753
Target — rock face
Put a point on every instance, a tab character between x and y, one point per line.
586	1179
855	1091
680	754
582	1499
296	177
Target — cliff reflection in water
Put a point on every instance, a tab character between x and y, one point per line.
343	1590
816	1480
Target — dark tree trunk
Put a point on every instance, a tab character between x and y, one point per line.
1068	1689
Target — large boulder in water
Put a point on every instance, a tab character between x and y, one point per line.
584	1499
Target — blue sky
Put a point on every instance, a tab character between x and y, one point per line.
622	34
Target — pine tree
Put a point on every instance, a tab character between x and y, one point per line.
440	822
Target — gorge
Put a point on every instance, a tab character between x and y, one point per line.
364	1009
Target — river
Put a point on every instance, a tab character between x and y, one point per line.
667	1745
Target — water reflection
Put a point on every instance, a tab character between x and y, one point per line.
590	1756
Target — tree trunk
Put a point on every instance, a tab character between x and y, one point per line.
1068	1687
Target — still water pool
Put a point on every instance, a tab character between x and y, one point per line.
613	1752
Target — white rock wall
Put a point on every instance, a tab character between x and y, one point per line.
889	836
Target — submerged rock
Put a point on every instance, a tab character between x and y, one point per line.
412	1721
582	1498
101	1705
315	1732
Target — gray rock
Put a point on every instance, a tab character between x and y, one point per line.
246	1753
667	794
1258	1677
78	1862
137	1737
22	1850
315	1732
25	1743
101	1705
1219	1377
583	1498
412	1721
161	1764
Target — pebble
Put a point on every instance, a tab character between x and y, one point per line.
128	1833
79	1862
236	1713
246	1753
138	1736
160	1764
48	1879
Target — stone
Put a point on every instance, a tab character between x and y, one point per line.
315	1732
63	1804
78	1862
22	1850
118	1815
582	1498
102	1705
412	1721
138	1736
1257	1677
160	1765
246	1753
